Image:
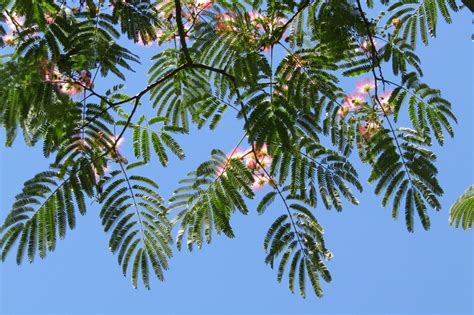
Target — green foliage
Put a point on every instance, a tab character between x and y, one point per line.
135	215
462	211
143	136
43	211
427	110
30	104
316	169
297	238
208	197
408	172
217	59
419	18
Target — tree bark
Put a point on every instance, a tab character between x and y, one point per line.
469	4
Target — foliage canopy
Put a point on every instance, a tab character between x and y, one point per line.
302	129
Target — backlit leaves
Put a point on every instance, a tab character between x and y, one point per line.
462	211
206	199
294	106
135	215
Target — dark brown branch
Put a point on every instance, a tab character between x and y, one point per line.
469	4
181	31
301	9
373	50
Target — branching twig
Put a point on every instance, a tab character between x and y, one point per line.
181	31
376	63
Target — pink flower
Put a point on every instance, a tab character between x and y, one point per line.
254	16
351	103
9	39
280	90
257	20
354	101
63	84
14	21
49	19
265	161
386	106
279	21
342	111
85	77
115	153
70	89
259	181
203	4
237	153
385	96
225	21
53	76
365	86
251	163
262	151
369	129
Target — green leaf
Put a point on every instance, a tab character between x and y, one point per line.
462	211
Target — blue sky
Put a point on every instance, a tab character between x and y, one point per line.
378	266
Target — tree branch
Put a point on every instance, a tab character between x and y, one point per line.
182	33
375	62
469	4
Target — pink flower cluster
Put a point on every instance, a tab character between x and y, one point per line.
65	85
261	21
369	129
387	107
358	102
227	22
165	9
355	101
203	5
13	22
256	162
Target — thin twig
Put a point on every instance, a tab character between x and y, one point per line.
375	62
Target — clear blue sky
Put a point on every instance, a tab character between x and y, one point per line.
378	266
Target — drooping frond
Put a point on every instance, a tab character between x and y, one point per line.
296	239
208	197
402	56
312	170
93	46
73	41
462	211
139	20
173	97
44	210
29	103
405	174
144	135
428	111
419	18
135	215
